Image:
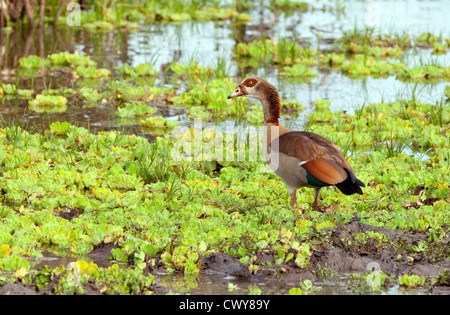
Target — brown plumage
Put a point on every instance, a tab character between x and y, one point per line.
304	158
274	100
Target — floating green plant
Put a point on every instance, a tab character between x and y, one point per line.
70	191
411	281
8	89
144	69
92	72
281	52
129	16
33	62
48	103
439	48
289	6
427	39
158	124
299	70
212	96
135	110
65	59
424	73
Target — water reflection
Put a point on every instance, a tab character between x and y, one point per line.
205	42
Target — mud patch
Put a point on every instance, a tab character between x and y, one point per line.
347	254
101	255
342	253
68	213
225	265
17	288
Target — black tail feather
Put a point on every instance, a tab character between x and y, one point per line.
351	185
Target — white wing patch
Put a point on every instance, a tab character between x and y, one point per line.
302	162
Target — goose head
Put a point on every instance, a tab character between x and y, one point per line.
257	87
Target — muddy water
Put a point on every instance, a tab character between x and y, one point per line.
333	270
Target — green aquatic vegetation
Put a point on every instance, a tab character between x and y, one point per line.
60	128
212	96
368	54
90	95
199	112
332	60
447	92
364	66
8	89
439	48
289	5
79	277
376	51
183	259
268	51
5	250
364	239
66	59
99	26
384	68
33	62
128	92
48	103
25	94
152	162
423	73
69	191
92	72
105	16
299	70
355	69
411	281
67	92
427	39
321	113
193	72
255	116
144	69
182	11
386	131
290	106
322	105
158	124
362	40
135	110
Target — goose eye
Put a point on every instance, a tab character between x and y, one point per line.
251	83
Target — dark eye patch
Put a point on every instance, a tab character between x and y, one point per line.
250	82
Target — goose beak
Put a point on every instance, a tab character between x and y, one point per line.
239	92
235	94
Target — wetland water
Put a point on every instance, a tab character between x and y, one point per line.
207	42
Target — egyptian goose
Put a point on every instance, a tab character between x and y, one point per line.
299	158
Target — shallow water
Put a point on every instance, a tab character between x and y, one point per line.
204	42
207	41
219	284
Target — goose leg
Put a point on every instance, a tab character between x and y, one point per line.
293	198
316	199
